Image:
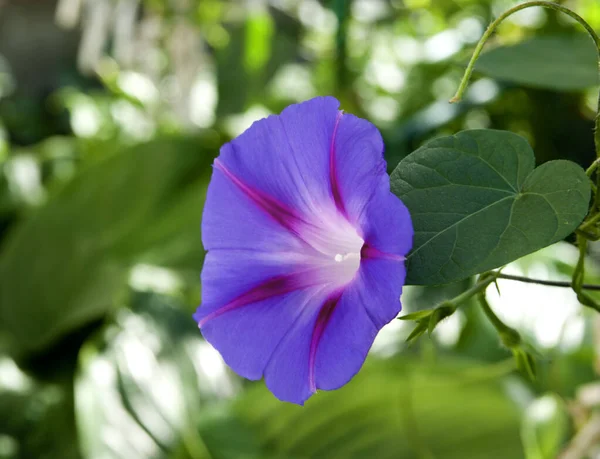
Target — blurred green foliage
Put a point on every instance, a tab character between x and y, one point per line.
111	113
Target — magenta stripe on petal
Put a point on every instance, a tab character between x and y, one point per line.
333	177
279	285
323	318
368	251
284	216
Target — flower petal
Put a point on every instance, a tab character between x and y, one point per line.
227	274
251	301
287	156
233	220
386	225
370	302
288	373
248	336
373	298
357	163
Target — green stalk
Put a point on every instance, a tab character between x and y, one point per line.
492	28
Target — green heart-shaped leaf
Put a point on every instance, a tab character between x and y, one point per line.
477	203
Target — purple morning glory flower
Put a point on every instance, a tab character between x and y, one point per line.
306	248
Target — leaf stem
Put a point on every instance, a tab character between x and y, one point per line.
549	283
590	170
481	285
428	319
578	275
490	30
509	336
589	223
594	166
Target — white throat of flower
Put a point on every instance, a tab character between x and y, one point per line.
338	247
346	266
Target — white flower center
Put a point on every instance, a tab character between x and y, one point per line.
347	265
338	248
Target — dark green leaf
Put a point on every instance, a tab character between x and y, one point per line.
477	203
566	63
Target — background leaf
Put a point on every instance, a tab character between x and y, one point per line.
397	409
477	203
144	384
37	419
562	63
64	265
545	427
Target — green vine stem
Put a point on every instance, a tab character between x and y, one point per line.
547	283
590	170
481	285
509	336
579	275
428	319
589	224
491	29
448	307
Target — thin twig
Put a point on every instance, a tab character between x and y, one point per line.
490	30
549	283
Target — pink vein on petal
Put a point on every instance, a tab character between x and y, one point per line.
278	211
278	285
323	319
335	185
369	252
